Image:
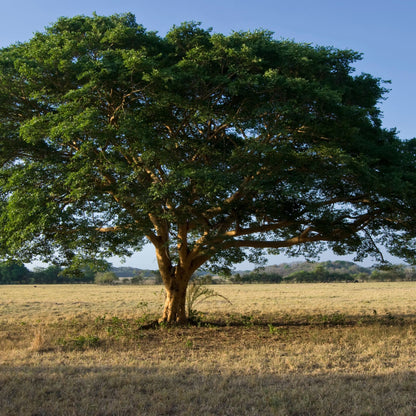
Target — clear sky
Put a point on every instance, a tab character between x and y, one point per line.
383	30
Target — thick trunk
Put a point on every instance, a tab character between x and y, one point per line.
174	310
174	278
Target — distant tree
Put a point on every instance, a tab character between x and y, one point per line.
206	279
410	273
257	276
359	277
212	147
236	278
105	278
321	273
389	273
87	275
48	275
138	278
14	272
82	270
301	276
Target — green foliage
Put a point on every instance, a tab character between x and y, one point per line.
392	273
105	278
326	272
212	147
13	272
84	270
304	272
118	327
257	276
48	275
137	279
80	342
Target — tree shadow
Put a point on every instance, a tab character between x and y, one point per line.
105	390
330	319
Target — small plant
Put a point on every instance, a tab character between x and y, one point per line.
197	293
100	320
137	279
189	344
80	342
281	331
248	320
163	324
119	327
273	329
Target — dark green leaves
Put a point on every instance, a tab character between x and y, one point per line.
110	134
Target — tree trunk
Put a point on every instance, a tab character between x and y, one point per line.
174	310
175	278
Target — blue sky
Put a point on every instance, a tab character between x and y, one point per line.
384	31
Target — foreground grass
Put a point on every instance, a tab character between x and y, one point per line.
319	357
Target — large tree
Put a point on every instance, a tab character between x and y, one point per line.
214	148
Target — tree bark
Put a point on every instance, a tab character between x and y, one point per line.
175	278
174	310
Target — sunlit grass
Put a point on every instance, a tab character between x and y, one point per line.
57	301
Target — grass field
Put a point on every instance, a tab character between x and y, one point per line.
312	349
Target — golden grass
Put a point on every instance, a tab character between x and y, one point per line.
279	350
31	303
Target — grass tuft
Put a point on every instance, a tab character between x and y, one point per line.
39	341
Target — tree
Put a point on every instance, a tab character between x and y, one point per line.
105	278
389	273
48	275
138	278
13	272
214	148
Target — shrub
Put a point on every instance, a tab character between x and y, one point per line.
105	278
137	279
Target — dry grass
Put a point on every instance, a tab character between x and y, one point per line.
31	303
277	350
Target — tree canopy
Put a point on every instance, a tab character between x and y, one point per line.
212	147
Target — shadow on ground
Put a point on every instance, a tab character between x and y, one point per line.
100	390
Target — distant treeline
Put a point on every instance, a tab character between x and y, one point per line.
300	272
325	272
14	272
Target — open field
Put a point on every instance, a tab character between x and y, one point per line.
312	349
